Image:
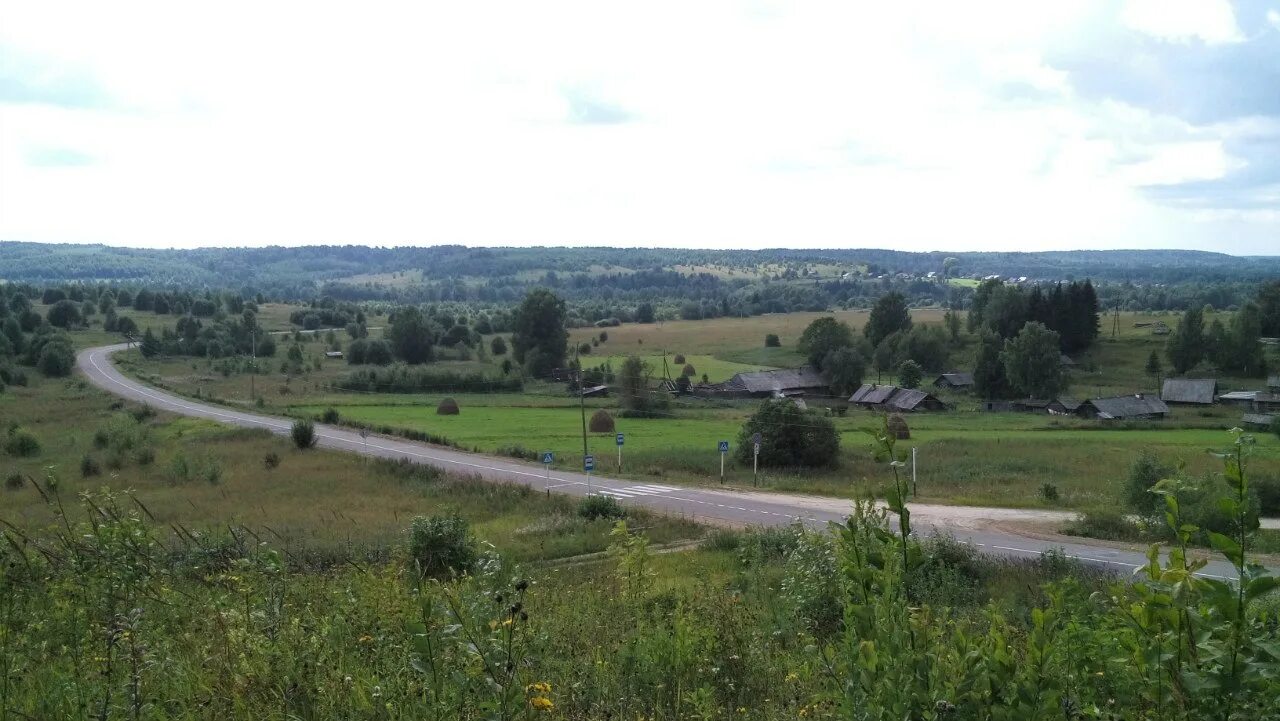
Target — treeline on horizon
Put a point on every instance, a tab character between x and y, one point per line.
745	282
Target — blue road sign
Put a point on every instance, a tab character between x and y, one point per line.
620	439
548	457
589	463
724	446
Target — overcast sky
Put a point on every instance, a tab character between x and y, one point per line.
960	126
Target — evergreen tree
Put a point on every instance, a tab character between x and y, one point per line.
1154	368
1185	347
150	346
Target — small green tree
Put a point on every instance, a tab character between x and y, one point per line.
150	346
1033	362
1154	367
498	346
771	340
823	336
843	370
57	358
303	433
633	388
64	314
790	437
539	340
951	321
442	546
888	315
1186	346
910	374
411	336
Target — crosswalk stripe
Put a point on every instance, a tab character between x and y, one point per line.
619	494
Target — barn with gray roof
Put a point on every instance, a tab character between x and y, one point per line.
1191	391
1134	407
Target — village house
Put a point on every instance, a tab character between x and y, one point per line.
1191	391
893	398
954	381
1117	408
781	383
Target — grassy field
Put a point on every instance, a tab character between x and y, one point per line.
965	456
204	475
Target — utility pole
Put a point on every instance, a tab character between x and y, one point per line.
582	403
253	368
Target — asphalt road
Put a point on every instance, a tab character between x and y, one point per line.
709	505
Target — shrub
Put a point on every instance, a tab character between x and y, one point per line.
56	359
21	443
1049	493
498	346
910	374
145	456
1145	471
303	433
14	481
584	349
142	413
1267	489
897	425
271	460
679	359
442	546
100	438
447	407
1105	523
789	437
516	450
772	340
89	466
600	506
601	422
330	415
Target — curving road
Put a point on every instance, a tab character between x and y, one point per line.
715	506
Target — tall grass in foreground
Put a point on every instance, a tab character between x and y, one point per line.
105	620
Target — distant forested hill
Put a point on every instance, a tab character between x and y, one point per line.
813	277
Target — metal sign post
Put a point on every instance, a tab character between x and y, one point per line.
547	458
621	438
589	465
724	449
364	436
915	490
755	459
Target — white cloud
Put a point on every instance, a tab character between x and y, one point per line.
1210	21
703	124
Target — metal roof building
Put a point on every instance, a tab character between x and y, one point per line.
893	398
1124	407
954	380
784	381
1200	391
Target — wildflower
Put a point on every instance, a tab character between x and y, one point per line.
541	703
792	677
366	638
539	687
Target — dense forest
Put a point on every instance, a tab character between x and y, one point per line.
689	283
